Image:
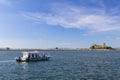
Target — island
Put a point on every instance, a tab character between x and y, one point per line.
103	46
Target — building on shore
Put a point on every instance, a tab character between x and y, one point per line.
103	46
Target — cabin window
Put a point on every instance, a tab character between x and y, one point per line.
36	55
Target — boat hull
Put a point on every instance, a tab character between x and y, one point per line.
32	60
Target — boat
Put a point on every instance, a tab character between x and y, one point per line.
33	56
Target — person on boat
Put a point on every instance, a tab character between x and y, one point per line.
32	55
19	58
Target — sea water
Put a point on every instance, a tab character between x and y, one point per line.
63	65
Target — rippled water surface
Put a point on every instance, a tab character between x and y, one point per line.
64	65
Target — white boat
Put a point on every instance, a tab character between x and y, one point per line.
33	56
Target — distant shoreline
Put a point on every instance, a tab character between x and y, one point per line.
81	49
96	47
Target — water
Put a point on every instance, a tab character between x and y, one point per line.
64	65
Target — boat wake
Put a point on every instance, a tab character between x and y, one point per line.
7	61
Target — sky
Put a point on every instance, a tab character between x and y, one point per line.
59	23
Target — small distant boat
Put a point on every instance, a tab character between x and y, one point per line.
33	56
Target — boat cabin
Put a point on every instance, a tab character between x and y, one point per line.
31	54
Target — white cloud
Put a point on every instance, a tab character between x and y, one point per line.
4	2
91	19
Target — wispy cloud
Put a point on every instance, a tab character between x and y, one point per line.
91	19
66	44
117	38
4	2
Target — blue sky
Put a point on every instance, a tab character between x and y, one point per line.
59	23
